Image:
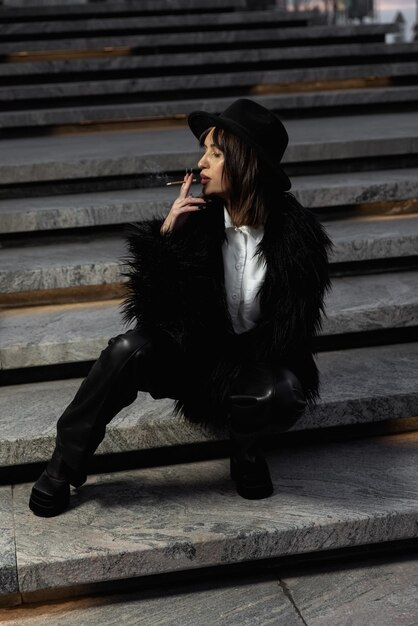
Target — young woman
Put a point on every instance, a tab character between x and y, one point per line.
226	294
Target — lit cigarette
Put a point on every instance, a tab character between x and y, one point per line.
179	182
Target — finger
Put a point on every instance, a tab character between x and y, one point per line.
196	201
191	206
185	188
188	200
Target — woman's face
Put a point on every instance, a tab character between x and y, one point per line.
211	165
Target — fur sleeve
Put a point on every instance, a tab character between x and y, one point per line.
167	275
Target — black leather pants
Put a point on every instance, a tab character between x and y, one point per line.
138	360
261	396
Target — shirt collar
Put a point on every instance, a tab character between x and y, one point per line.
254	233
228	223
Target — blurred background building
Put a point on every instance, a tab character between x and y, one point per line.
404	12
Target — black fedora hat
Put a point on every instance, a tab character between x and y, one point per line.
253	123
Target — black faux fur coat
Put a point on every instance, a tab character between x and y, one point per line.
176	283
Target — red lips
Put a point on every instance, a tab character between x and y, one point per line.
204	180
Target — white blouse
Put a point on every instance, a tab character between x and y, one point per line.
244	274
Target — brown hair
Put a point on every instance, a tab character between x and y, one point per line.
246	177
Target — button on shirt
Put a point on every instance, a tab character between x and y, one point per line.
244	274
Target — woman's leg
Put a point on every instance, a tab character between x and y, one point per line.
263	398
133	361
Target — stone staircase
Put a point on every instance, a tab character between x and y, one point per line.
94	98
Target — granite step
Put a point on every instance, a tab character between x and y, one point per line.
61	264
86	68
145	113
382	589
155	152
14	12
198	40
101	208
69	333
53	262
27	96
383	389
106	23
180	518
255	600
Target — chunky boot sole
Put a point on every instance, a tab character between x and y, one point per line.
252	482
49	496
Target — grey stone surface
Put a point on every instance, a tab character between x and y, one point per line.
371	302
77	332
8	568
158	151
17	4
94	66
146	424
200	37
57	265
376	593
365	385
360	239
79	7
188	516
124	206
226	603
39	4
97	260
187	82
356	188
57	333
88	209
127	111
104	23
362	385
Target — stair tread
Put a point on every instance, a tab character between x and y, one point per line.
62	264
156	151
383	388
139	111
52	263
108	22
130	205
110	6
222	57
250	601
186	516
223	35
68	333
381	590
376	237
185	82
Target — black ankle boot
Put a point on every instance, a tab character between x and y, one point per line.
251	474
50	494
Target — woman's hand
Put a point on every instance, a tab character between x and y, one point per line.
181	207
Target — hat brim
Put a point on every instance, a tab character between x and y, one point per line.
200	121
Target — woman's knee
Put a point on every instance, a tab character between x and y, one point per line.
152	357
265	392
121	348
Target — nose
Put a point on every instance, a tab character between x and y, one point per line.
202	162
